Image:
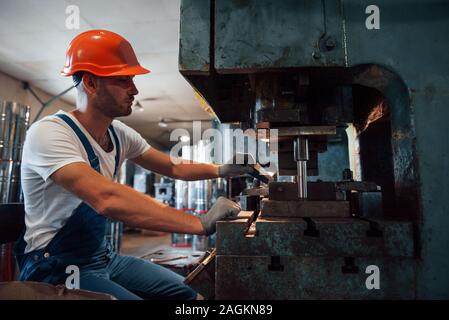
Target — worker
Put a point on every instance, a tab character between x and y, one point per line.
69	167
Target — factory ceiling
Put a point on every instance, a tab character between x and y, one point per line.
34	36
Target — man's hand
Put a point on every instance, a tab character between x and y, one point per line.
222	209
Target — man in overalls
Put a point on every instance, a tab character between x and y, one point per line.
69	166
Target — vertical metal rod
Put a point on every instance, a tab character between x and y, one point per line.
301	154
302	179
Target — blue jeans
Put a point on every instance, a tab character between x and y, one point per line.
131	278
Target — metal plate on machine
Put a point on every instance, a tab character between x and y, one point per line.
267	277
282	191
275	34
273	208
315	237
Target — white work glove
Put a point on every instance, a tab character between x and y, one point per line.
222	209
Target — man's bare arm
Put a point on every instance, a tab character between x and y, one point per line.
120	202
161	163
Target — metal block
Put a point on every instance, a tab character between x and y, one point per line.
286	278
376	238
315	237
329	191
272	208
369	204
273	237
284	191
398	235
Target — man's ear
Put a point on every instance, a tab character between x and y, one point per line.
90	83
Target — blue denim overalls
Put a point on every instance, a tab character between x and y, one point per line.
82	242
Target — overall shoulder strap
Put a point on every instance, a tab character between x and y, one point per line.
93	159
117	147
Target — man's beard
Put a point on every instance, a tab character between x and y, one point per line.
109	107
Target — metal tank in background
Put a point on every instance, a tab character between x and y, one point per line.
13	125
197	197
203	193
183	201
14	122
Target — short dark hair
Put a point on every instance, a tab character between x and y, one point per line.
77	78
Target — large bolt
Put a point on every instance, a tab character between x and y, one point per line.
330	43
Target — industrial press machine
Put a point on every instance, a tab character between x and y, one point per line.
359	113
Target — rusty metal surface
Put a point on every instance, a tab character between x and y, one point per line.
279	34
285	278
194	40
405	71
273	208
315	237
418	98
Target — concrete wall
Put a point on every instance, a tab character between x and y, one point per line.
11	89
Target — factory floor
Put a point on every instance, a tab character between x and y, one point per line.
139	243
156	247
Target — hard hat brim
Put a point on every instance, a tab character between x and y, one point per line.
125	71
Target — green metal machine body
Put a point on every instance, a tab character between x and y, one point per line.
383	68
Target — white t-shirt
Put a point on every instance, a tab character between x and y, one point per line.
51	144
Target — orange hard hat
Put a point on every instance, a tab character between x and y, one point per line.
103	53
